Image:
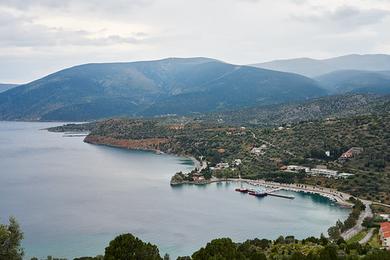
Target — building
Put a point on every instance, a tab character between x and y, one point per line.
297	168
352	152
385	216
259	150
221	166
320	170
237	162
384	233
323	172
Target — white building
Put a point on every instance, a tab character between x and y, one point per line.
237	162
324	172
318	171
297	168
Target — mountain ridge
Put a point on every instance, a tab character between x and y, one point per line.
151	88
315	67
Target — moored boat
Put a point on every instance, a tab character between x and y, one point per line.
242	190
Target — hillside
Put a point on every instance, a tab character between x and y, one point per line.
314	67
321	108
169	86
5	87
356	81
303	143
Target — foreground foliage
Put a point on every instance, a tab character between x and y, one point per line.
127	247
10	239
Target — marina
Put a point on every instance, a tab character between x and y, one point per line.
261	194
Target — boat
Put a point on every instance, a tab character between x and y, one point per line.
242	190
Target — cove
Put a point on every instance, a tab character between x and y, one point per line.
72	198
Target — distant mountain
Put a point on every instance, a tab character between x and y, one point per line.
355	81
151	88
5	87
313	68
337	106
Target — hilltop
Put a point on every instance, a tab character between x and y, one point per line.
5	87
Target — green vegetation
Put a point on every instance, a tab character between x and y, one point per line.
128	247
10	239
303	143
359	236
375	241
338	106
335	231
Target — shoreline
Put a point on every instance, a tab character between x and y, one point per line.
339	198
197	164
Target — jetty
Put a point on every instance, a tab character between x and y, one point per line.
270	192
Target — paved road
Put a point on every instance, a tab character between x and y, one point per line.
367	237
358	227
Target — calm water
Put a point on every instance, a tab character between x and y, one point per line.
72	198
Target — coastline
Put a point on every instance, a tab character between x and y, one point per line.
338	197
341	198
137	146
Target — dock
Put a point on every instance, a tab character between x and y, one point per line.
282	196
270	192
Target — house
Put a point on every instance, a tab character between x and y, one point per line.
259	150
384	233
352	152
385	216
237	162
221	166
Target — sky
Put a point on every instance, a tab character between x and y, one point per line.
39	37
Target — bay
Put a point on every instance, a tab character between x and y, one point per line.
72	198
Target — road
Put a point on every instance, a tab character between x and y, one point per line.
358	227
367	237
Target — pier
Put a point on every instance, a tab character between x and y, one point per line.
270	192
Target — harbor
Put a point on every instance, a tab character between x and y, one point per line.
270	192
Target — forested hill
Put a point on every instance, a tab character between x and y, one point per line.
331	106
169	86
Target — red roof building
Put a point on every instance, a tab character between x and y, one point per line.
384	233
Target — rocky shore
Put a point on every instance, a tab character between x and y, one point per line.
148	144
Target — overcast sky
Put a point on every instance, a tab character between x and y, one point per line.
38	37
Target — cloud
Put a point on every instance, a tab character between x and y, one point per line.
22	31
345	17
41	36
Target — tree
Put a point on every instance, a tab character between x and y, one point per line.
10	238
334	233
128	247
222	248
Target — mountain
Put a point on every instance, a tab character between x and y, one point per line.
313	68
5	87
355	81
338	106
151	88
